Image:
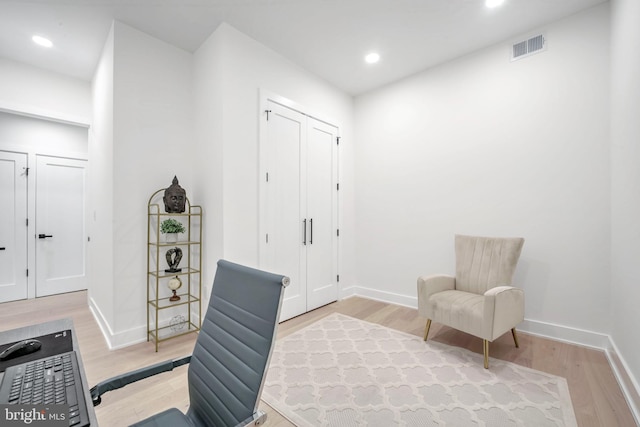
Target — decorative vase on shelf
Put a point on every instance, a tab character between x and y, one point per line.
171	237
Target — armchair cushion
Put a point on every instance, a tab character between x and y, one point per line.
458	309
485	316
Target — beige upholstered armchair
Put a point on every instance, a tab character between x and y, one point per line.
479	300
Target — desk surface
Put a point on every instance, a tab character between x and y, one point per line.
49	328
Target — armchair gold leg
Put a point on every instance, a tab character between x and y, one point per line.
515	337
426	329
485	345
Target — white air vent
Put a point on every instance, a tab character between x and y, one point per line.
528	47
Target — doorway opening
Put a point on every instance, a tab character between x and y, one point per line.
43	164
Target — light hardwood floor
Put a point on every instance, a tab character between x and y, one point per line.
596	396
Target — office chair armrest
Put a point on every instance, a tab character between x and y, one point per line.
120	381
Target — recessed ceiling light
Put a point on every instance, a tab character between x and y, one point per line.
493	3
42	41
372	58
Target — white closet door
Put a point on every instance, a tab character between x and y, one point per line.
285	201
13	226
60	224
322	287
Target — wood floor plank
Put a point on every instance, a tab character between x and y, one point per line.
596	396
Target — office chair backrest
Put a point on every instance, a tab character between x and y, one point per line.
483	263
232	352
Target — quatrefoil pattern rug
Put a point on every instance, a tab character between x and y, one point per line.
341	371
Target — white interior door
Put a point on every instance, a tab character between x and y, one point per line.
285	237
60	225
13	226
322	287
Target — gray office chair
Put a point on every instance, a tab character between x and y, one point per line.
231	355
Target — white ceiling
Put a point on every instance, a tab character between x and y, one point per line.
326	37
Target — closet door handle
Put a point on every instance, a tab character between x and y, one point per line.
2	249
311	237
304	222
44	236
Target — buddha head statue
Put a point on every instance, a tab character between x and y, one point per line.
174	197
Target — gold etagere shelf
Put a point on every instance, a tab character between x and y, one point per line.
186	309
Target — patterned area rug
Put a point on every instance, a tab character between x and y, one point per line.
341	371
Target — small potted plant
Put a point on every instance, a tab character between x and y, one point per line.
171	228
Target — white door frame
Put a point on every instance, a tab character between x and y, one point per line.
14	243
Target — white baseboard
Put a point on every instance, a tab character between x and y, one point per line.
566	334
127	337
117	340
382	296
628	384
101	321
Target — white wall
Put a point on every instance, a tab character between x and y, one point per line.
208	113
100	197
31	134
625	185
486	146
31	90
152	140
243	67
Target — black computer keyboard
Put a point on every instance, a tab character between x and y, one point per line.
53	380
